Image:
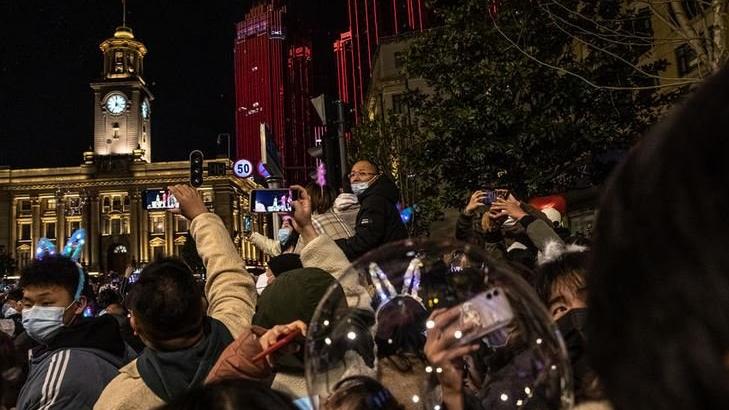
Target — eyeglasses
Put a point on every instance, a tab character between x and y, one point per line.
359	174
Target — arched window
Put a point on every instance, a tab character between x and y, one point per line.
120	249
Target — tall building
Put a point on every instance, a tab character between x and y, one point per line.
273	86
106	194
122	111
370	22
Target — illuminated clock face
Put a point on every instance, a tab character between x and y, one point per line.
116	104
145	109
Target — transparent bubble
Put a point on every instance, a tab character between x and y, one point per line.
407	305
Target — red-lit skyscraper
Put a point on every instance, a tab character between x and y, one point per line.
369	22
273	86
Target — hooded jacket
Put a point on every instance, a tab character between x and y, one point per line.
378	220
231	294
72	371
347	207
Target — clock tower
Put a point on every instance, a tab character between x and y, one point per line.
122	101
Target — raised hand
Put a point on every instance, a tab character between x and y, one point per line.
191	205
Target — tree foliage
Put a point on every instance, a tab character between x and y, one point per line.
502	112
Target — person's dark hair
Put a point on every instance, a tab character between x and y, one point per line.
231	394
108	297
568	269
361	393
322	197
658	279
15	294
53	271
167	301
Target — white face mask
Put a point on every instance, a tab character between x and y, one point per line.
10	311
43	322
359	187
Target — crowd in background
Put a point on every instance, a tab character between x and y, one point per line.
640	310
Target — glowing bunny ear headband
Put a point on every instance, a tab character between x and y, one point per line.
386	291
74	247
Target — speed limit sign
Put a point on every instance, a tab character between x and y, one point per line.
243	168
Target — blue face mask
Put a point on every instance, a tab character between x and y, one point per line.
359	187
283	235
43	322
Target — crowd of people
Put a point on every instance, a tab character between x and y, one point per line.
640	310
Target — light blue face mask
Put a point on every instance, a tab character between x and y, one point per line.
359	187
283	235
43	322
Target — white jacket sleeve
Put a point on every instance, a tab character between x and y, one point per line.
270	247
325	254
230	289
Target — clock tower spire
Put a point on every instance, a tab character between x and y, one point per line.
122	109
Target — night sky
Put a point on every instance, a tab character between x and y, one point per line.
49	52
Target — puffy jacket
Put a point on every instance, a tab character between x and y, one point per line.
378	220
72	371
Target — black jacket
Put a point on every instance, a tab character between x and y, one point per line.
378	220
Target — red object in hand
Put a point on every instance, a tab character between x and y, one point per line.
286	340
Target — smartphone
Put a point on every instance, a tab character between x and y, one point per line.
88	311
247	224
285	341
159	199
494	194
270	200
487	312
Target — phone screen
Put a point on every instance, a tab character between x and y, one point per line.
247	224
159	199
270	200
494	194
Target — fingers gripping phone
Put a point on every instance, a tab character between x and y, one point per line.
491	195
485	313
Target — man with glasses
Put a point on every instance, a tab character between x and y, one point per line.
378	220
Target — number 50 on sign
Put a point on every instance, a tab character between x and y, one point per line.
243	168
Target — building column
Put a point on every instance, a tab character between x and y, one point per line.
13	245
36	223
144	234
223	196
94	231
169	234
60	219
134	225
6	222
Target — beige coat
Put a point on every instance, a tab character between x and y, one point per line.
230	291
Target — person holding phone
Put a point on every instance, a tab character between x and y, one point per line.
507	228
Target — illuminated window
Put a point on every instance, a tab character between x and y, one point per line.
181	224
116	204
120	249
72	226
24	205
50	204
106	205
24	232
126	203
50	230
157	224
116	226
125	225
158	252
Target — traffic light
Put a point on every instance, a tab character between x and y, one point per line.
196	168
